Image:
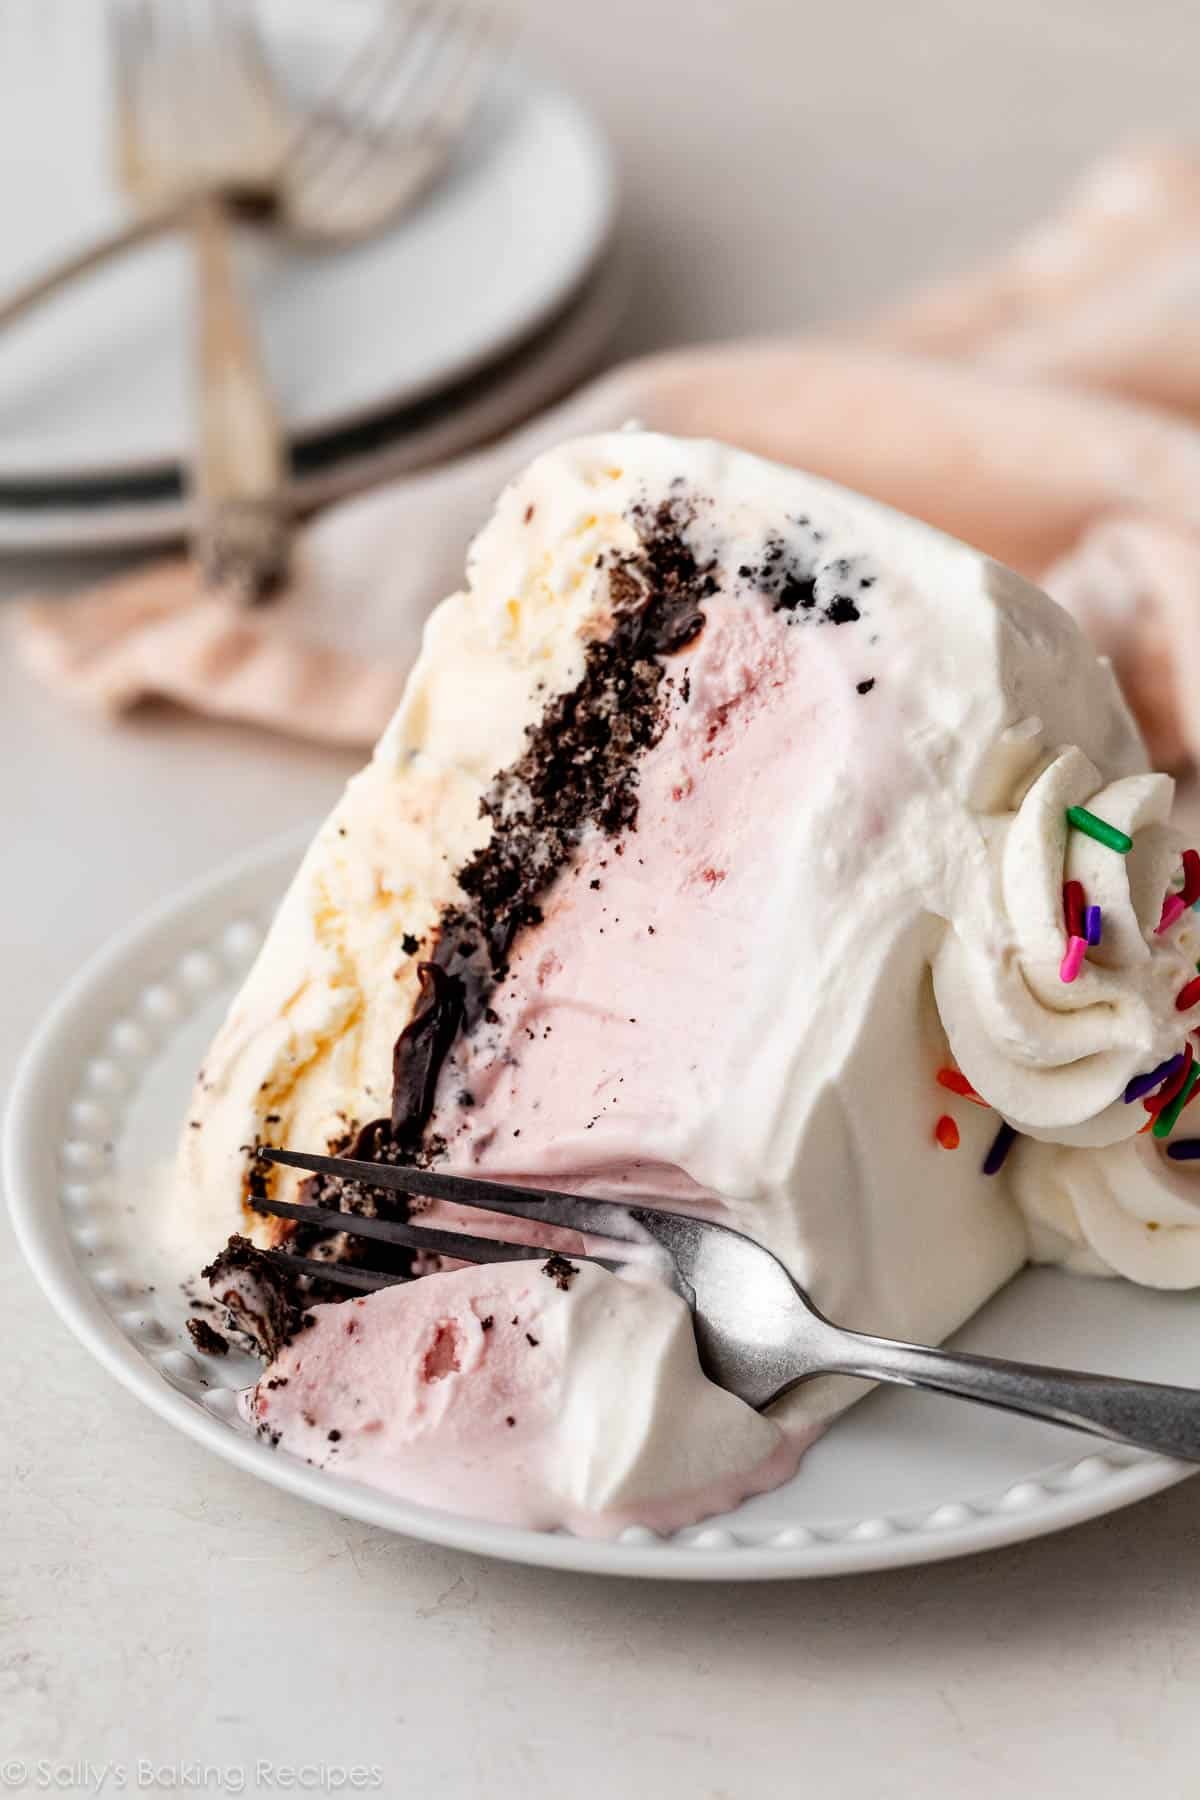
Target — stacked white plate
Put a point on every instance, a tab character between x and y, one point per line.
488	301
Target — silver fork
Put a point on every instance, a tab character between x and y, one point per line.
757	1331
196	119
355	160
205	134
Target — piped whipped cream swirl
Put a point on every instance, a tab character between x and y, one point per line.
1127	1210
1055	1056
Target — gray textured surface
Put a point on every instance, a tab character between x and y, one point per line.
783	163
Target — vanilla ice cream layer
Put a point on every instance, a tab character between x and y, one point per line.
832	866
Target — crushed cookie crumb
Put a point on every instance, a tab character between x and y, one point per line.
561	1272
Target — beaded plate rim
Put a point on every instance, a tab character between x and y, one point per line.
78	1077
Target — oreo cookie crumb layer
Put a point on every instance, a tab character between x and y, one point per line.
206	1340
578	770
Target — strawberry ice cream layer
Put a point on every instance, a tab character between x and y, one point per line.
537	1394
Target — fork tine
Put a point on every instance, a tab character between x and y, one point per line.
415	109
347	1274
470	53
594	1218
414	1237
249	57
372	65
382	52
124	56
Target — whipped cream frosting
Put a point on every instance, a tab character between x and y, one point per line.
843	870
1054	1057
1124	1210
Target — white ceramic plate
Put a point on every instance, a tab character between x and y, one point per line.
903	1478
99	380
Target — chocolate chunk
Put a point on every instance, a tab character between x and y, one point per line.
206	1339
421	1049
864	687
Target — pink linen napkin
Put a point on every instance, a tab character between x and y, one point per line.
1046	408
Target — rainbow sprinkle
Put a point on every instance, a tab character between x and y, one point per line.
1100	829
957	1083
1002	1143
1185	1150
1072	962
1142	1084
1171	1088
1176	904
1190	892
1188	995
946	1132
1074	901
1093	925
1167	1117
1173	908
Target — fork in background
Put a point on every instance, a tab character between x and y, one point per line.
204	133
757	1332
197	121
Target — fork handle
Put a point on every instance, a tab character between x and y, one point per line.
1146	1414
241	524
